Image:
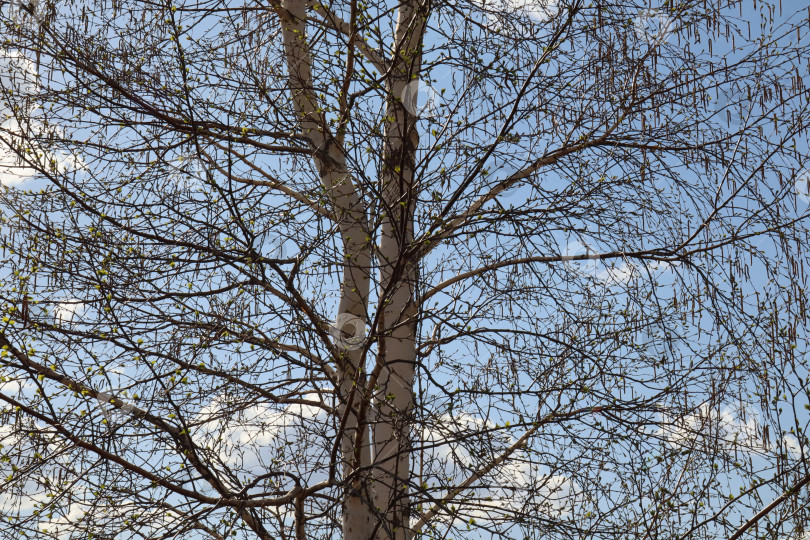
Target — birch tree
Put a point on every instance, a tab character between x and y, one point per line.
427	269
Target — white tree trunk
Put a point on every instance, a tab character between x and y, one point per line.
393	401
358	514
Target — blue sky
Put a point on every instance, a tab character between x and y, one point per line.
585	287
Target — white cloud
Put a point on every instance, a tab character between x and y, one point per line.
91	514
532	11
294	439
511	487
12	386
18	75
613	271
68	310
60	525
18	78
537	10
22	494
793	446
605	271
617	274
18	84
729	429
298	439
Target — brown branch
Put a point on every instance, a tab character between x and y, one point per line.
157	480
765	511
336	23
650	254
181	437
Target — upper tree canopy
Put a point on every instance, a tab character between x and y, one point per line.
502	269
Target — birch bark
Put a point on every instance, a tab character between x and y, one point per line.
393	399
357	519
376	504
